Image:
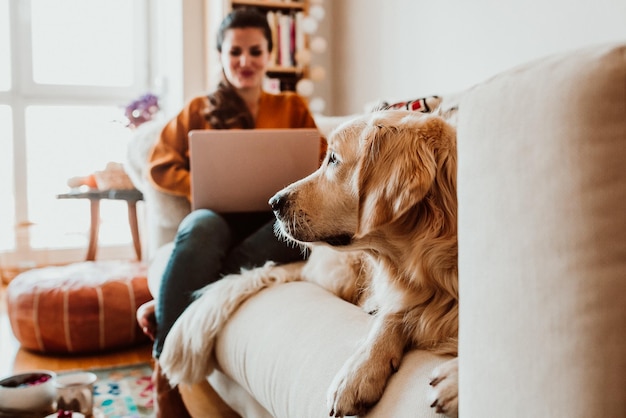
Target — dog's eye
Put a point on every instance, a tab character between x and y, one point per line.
332	158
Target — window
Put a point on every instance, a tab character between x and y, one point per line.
102	33
5	64
67	68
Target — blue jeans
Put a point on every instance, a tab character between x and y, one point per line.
209	246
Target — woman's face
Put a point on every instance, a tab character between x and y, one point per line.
245	57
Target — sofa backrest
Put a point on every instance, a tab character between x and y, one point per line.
542	239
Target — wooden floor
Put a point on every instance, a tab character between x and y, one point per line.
13	359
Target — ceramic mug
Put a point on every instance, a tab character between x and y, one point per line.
75	392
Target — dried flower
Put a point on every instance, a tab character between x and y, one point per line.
142	110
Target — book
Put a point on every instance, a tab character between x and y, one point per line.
284	40
300	41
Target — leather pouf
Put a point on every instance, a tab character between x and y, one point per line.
78	308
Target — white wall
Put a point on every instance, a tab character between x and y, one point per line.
179	55
399	49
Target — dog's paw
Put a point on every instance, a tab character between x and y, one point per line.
444	394
360	383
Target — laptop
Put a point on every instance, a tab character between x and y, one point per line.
239	170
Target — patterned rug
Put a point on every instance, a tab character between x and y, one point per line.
124	392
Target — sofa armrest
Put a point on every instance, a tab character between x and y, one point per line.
164	211
138	150
284	346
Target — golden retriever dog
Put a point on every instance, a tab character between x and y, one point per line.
380	218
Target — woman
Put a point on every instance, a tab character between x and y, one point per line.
209	245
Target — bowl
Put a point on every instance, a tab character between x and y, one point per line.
31	391
66	414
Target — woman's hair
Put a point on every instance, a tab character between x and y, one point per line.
228	109
245	17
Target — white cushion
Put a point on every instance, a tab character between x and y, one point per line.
542	239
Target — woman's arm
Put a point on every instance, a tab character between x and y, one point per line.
169	159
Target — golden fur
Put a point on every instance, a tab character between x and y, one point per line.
380	216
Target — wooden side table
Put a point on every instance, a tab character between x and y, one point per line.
131	196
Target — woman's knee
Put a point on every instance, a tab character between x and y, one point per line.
203	226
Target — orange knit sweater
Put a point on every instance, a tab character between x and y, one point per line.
169	158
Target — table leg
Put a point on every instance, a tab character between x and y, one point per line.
95	227
134	227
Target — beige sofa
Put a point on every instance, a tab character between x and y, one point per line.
542	264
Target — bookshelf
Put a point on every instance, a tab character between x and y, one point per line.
273	4
291	27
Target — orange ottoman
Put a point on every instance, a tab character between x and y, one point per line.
78	308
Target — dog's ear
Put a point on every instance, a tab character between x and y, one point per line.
397	168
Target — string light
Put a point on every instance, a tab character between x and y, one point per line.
309	25
317	12
317	45
304	87
317	105
317	73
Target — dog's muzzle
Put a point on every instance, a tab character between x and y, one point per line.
281	203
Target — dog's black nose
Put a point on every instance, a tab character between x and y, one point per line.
277	202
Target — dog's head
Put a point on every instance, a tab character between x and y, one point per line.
387	170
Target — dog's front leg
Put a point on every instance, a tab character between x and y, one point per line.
187	355
362	379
